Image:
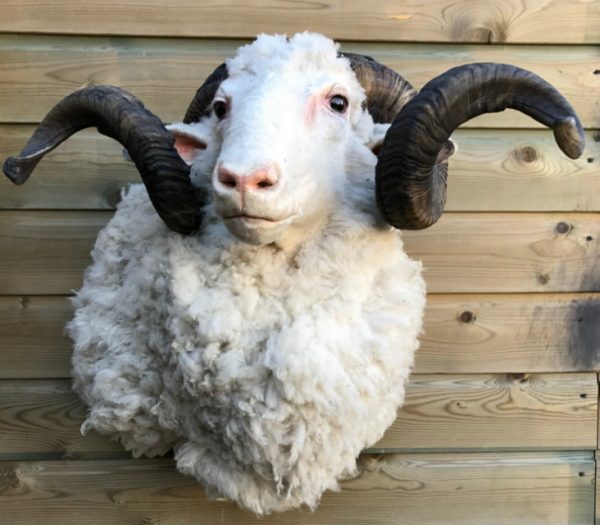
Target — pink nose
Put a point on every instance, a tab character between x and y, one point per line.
259	179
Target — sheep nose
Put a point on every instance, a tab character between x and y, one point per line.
259	179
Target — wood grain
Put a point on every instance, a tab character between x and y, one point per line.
48	250
38	71
464	333
32	339
45	253
414	489
514	411
540	21
597	505
494	170
510	333
503	252
42	418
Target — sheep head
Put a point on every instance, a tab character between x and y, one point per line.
287	117
269	133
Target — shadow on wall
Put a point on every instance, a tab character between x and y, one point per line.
583	326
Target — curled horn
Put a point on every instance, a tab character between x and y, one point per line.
121	116
410	181
387	92
200	104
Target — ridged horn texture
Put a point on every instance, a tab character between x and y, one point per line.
121	116
387	92
200	104
410	187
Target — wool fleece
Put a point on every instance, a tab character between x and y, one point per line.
267	375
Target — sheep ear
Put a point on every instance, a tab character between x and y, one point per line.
188	143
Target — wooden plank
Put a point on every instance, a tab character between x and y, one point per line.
45	253
503	252
514	411
517	170
32	339
510	333
494	170
463	334
416	489
475	412
597	503
564	21
39	70
42	419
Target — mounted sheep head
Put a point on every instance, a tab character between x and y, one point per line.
269	135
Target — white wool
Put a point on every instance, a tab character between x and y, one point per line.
267	368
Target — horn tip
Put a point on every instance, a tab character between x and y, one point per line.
17	169
569	136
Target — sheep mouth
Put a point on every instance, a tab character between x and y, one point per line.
255	229
252	218
247	216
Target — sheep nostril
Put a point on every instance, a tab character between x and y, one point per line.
262	179
227	178
264	184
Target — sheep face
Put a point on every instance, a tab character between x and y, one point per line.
283	126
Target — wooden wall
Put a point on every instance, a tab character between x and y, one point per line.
501	421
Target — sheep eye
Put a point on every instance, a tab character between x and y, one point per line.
220	108
338	103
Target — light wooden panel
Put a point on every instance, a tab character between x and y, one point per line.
597	504
463	334
499	170
553	411
510	333
43	419
564	21
414	489
517	411
39	70
32	339
46	252
502	252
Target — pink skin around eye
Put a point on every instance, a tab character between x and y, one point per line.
320	99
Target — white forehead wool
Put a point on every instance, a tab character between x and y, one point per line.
277	53
305	62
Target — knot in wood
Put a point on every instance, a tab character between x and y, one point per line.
9	480
563	227
491	32
526	154
543	278
467	317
